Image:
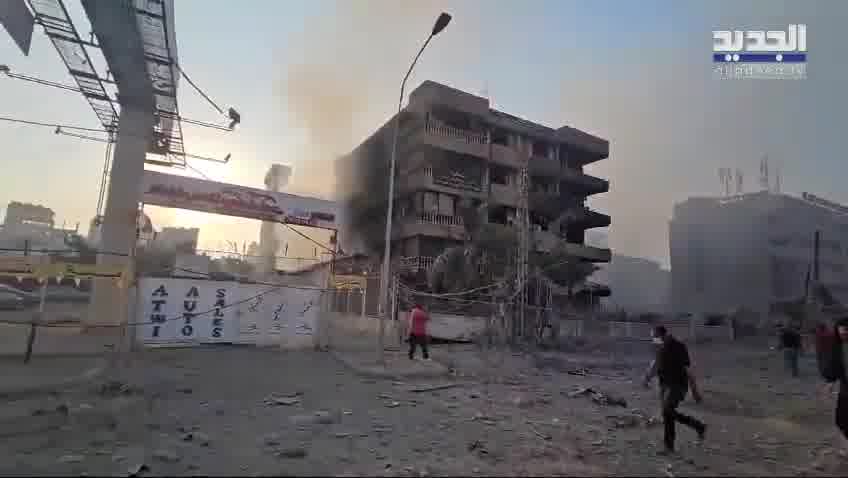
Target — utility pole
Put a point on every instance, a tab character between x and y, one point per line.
523	223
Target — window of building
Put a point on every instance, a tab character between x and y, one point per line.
500	136
447	205
431	202
500	175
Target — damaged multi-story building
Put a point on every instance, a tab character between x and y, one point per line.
454	147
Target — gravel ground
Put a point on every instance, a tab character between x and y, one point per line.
247	411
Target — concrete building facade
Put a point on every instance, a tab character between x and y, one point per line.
454	147
182	239
753	250
638	285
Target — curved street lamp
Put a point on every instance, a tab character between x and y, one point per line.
440	25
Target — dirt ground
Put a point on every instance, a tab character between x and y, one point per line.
247	411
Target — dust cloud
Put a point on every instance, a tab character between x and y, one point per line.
342	79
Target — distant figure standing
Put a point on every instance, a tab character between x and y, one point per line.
672	368
418	319
790	342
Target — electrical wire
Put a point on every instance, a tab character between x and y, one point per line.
192	168
331	251
171	116
51	125
43	82
197	88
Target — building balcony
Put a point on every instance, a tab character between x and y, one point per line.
506	156
588	218
544	200
583	182
438	135
546	241
429	224
414	264
546	167
504	194
424	179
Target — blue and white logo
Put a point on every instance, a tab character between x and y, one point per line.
757	46
761	54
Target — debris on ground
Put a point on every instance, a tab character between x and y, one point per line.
71	459
287	401
114	388
434	388
197	437
136	469
293	452
168	456
599	397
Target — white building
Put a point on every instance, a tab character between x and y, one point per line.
32	226
183	239
638	285
753	250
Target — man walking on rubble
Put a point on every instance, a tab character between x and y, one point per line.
418	319
671	366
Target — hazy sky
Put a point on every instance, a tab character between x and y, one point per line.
312	79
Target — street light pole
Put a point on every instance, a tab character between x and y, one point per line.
385	271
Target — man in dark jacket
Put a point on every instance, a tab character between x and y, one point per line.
672	367
835	371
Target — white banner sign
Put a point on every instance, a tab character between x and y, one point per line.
271	316
182	192
183	310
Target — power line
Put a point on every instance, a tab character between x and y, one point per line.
197	171
75	89
197	88
51	125
331	251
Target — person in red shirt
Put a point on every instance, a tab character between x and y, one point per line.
418	319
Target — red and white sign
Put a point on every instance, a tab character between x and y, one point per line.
182	192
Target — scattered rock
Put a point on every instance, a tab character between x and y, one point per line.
324	418
197	437
271	439
71	459
598	397
294	452
167	456
134	470
288	400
